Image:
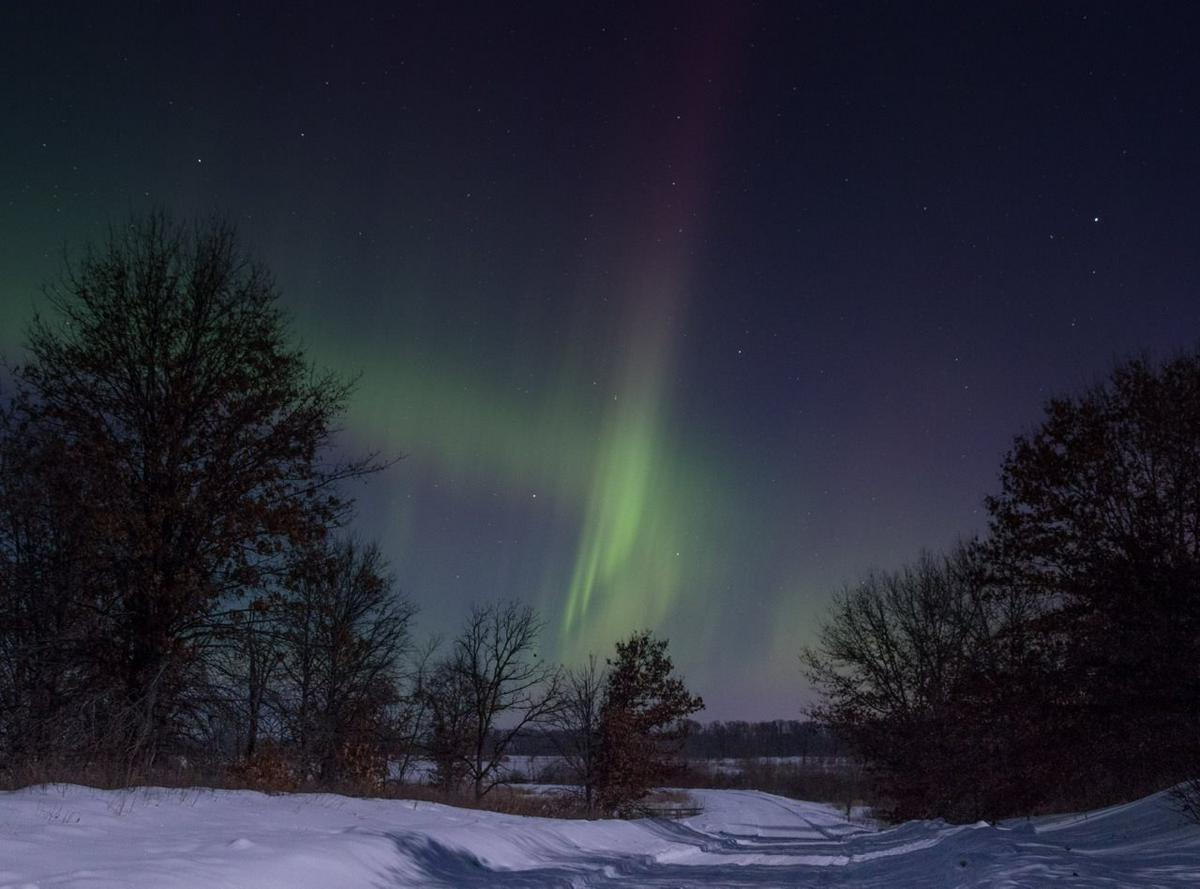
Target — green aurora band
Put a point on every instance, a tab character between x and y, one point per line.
608	464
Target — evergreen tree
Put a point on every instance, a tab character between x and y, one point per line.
643	721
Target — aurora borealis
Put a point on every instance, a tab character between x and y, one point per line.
682	316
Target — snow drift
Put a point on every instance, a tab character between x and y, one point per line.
153	838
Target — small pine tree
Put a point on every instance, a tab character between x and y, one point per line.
642	721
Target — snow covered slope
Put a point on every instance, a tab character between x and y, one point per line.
159	839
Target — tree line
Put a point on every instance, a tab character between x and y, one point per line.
738	739
1053	663
177	583
728	739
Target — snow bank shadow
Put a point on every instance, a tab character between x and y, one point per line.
443	866
1107	851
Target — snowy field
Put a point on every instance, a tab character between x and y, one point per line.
158	839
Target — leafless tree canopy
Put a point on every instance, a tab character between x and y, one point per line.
897	660
577	721
1057	664
492	687
1098	518
166	451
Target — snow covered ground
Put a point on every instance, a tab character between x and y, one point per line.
159	839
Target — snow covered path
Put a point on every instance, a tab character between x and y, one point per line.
172	839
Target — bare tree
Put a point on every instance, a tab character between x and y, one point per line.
447	698
495	666
577	724
907	662
1098	516
243	676
54	690
343	636
196	437
414	712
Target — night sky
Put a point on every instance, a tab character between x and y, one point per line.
683	315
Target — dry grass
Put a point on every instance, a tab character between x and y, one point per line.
671	797
509	800
111	776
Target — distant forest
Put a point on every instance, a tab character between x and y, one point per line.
727	740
